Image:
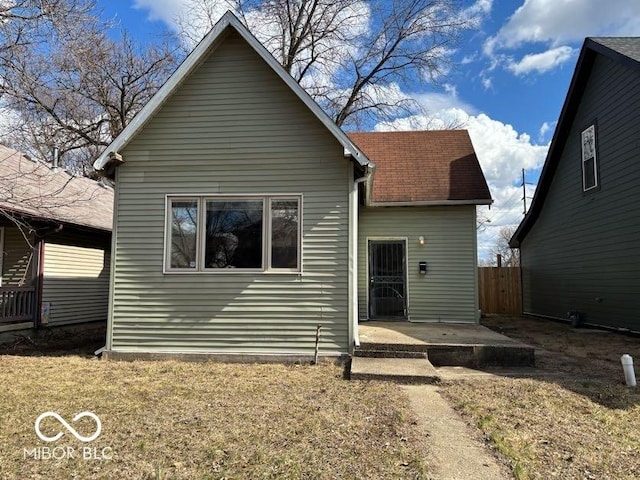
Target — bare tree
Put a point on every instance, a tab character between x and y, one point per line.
67	82
354	57
510	256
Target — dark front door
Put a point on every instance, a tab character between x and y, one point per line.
387	280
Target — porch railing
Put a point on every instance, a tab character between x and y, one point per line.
17	304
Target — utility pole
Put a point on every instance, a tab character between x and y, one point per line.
524	194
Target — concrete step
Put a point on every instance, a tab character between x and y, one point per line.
400	370
392	347
462	355
479	356
381	353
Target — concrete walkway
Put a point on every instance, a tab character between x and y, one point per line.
455	450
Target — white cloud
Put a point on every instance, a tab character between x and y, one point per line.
165	10
502	152
542	62
477	11
556	22
191	18
434	102
545	128
467	59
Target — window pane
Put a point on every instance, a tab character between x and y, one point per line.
284	233
184	232
589	167
234	234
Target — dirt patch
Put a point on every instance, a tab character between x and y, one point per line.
81	339
172	420
560	347
578	422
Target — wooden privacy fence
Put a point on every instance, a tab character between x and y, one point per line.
499	290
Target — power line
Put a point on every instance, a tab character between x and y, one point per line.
505	207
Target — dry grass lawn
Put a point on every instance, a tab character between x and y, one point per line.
171	420
578	422
572	419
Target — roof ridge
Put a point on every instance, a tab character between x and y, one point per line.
193	61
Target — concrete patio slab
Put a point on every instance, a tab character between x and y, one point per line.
444	344
431	334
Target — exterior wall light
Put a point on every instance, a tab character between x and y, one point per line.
421	240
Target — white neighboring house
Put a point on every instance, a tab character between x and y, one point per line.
55	233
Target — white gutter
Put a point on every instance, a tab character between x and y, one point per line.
430	203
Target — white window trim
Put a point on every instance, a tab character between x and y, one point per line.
584	160
167	234
267	243
201	199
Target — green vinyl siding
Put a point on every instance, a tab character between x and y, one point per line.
582	252
75	281
448	292
233	127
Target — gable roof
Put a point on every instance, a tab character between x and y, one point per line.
33	189
622	50
208	44
433	167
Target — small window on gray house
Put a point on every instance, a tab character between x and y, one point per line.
183	233
589	165
285	231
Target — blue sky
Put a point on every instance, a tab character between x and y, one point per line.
507	86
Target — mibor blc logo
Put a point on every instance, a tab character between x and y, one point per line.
69	428
60	452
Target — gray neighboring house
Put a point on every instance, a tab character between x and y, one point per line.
245	218
579	240
55	237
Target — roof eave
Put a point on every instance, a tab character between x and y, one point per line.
576	86
579	80
191	63
53	219
430	203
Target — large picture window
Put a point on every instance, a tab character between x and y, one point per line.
233	238
208	234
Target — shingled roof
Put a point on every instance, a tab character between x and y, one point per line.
423	168
31	188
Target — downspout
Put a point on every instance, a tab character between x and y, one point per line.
476	293
354	338
112	264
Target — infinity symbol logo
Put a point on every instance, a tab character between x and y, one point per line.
68	427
